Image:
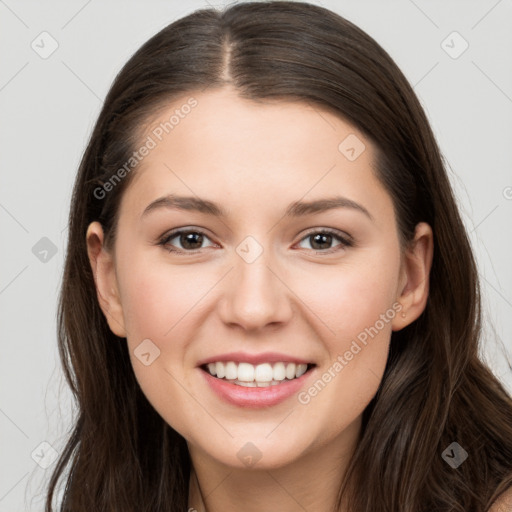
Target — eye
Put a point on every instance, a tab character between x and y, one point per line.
190	240
323	237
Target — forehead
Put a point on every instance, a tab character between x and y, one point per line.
231	149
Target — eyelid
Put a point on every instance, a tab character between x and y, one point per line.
348	239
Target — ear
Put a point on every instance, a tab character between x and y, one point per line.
103	269
414	277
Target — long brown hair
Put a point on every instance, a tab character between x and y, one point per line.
121	455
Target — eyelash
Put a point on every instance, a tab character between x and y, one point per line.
344	241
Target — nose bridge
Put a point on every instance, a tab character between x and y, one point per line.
255	296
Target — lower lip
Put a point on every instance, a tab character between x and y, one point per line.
242	396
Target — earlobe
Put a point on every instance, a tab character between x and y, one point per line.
414	287
103	269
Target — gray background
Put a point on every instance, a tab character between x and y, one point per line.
48	107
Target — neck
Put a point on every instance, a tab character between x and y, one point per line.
311	482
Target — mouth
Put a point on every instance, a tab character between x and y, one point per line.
257	376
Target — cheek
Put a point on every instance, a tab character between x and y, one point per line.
149	307
356	305
157	298
158	304
350	297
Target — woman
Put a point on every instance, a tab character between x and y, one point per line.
223	357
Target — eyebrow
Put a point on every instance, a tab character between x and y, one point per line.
295	209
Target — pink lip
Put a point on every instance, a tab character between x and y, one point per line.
244	357
255	397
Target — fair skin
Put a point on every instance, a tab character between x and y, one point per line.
308	301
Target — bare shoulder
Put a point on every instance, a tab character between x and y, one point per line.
504	502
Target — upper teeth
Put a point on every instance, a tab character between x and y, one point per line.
265	372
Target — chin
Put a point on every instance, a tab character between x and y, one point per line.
256	452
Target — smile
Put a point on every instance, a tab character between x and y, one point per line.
261	375
259	386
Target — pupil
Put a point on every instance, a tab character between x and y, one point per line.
189	238
324	237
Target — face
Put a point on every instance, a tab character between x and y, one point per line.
268	287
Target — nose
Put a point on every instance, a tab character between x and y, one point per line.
255	296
